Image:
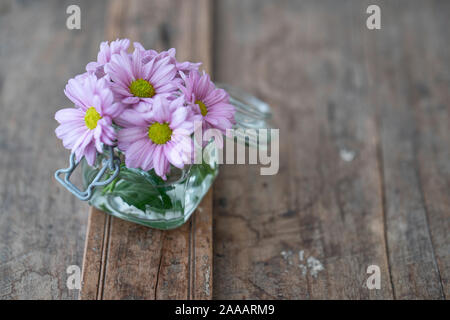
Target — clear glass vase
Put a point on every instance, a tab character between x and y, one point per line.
144	198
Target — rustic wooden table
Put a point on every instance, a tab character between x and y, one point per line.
364	179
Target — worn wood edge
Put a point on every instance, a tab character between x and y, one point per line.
98	238
201	263
93	266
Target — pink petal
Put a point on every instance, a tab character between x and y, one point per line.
159	112
90	154
178	117
128	136
68	127
171	153
158	160
131	100
147	161
134	152
131	118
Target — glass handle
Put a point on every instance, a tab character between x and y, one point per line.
112	163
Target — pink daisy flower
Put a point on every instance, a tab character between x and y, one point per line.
134	82
85	128
148	55
159	139
105	54
208	101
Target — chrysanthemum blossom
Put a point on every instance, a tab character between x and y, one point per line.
134	81
85	128
147	55
210	102
105	54
159	139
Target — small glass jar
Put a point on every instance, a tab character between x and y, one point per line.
143	197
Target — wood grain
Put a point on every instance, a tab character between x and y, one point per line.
127	261
42	226
414	121
431	101
363	177
307	64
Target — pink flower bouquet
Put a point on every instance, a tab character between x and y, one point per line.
142	107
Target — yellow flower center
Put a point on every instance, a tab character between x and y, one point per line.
91	118
159	133
142	88
202	106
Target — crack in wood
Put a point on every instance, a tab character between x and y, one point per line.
104	255
159	266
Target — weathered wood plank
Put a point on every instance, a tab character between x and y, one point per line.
128	261
432	113
94	254
307	60
409	73
42	227
336	87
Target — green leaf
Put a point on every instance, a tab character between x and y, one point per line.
201	171
138	190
